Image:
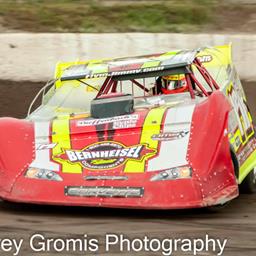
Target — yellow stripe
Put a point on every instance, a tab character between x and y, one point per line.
98	68
247	166
151	64
61	136
152	125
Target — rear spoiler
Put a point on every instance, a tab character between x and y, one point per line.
142	65
216	56
61	67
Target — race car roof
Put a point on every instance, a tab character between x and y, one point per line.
141	66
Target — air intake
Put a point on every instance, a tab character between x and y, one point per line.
112	105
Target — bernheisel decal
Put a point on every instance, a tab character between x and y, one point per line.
170	135
205	58
105	155
132	152
127	121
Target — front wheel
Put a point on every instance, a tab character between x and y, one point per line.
248	185
217	208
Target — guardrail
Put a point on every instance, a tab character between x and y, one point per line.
27	56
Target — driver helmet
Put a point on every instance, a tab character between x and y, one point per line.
174	84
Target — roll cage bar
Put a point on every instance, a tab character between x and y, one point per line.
110	84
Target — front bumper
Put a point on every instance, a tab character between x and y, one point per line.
171	194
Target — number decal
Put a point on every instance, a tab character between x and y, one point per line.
243	117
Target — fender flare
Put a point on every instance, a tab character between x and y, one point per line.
235	161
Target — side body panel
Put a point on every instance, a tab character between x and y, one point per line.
17	151
218	61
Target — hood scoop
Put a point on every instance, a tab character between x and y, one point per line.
114	104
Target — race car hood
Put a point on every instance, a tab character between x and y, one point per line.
147	140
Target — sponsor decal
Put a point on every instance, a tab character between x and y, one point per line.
205	58
239	104
105	177
106	155
246	151
104	191
45	146
170	135
75	70
125	72
238	142
119	122
83	71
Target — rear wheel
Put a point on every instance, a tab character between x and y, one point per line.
248	185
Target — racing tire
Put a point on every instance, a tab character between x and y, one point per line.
217	208
248	186
235	162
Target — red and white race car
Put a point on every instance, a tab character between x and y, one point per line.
170	130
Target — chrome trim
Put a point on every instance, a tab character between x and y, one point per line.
101	191
102	177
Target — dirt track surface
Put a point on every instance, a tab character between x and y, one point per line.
15	97
237	222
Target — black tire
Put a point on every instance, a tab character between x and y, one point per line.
217	208
235	162
248	186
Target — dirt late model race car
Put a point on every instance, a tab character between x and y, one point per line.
165	131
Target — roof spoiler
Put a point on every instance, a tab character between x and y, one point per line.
141	65
216	56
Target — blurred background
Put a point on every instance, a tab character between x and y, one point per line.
36	34
105	16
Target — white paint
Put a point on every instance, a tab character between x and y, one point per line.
42	157
173	153
35	55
